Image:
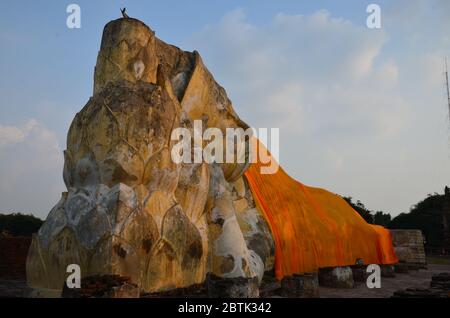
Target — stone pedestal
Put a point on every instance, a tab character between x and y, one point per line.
401	268
360	274
42	293
387	270
103	286
193	291
239	287
337	277
409	246
300	286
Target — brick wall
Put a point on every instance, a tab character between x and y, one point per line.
13	256
408	245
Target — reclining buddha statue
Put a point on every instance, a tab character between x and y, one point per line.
131	210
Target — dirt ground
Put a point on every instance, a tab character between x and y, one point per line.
413	279
12	288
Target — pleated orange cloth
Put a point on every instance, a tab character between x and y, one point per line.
313	228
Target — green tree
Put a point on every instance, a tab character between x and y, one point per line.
18	224
431	216
381	218
361	209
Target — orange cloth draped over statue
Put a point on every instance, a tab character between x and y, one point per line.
313	228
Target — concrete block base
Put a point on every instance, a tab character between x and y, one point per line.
239	287
300	286
337	277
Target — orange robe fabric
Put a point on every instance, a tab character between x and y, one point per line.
313	228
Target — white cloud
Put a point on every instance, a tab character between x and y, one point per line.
11	134
297	68
387	75
362	112
351	105
31	168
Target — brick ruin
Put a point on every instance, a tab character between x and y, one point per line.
409	247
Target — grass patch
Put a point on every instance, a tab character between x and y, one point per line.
439	260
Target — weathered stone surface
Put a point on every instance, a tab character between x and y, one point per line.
401	268
359	273
103	286
409	246
129	209
300	286
230	257
238	287
127	52
254	227
193	291
387	270
270	286
338	277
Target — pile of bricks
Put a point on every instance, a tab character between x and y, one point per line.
419	293
441	281
103	286
439	288
194	291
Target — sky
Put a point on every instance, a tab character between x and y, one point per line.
361	112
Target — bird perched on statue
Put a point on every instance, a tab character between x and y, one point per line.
124	14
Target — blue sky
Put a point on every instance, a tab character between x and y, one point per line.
48	62
361	112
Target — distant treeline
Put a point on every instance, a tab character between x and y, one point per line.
431	216
18	224
371	217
